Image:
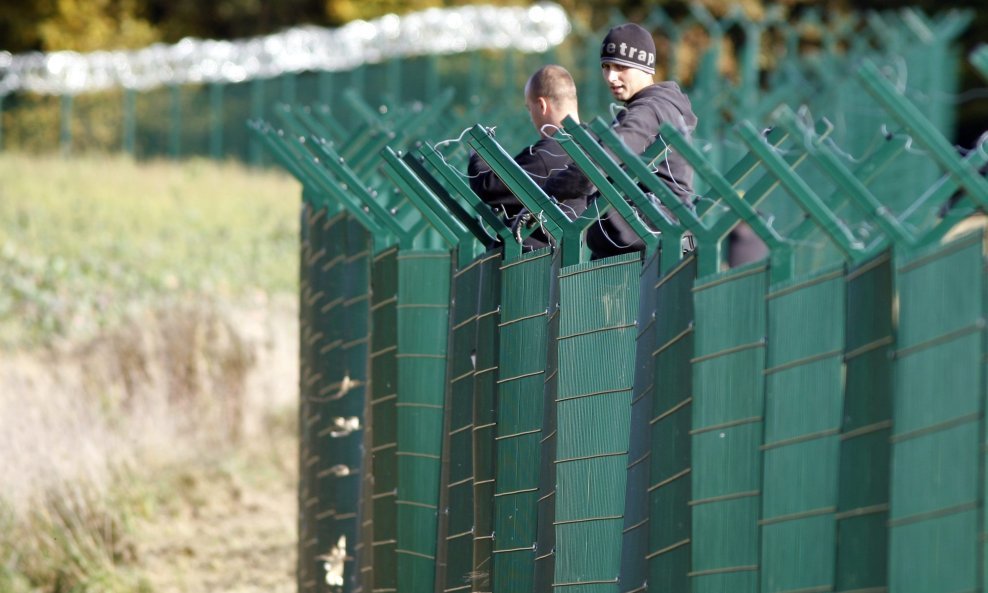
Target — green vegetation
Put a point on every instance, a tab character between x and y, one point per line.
148	357
82	240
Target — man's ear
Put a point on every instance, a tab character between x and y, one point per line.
543	105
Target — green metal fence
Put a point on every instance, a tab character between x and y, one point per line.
476	418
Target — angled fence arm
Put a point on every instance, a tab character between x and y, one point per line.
944	192
839	234
608	191
847	182
308	169
422	198
979	59
924	132
742	209
533	198
618	176
302	121
636	166
352	184
430	155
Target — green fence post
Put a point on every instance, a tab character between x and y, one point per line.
254	154
175	121
129	121
65	124
216	120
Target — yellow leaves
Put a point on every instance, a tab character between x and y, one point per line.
89	25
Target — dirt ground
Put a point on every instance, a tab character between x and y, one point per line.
231	529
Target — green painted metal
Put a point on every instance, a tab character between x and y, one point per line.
727	426
634	544
863	485
545	542
924	132
597	329
384	418
351	405
423	322
936	519
979	59
65	124
521	409
802	421
572	142
129	139
668	485
551	216
471	373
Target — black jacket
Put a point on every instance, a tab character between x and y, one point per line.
540	160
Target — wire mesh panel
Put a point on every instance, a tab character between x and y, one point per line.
352	394
305	566
634	545
728	404
423	327
862	505
326	297
521	376
384	417
803	407
545	542
597	329
670	420
457	543
936	510
472	364
485	419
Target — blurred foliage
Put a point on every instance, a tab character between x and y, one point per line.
84	25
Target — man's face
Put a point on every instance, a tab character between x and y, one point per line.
624	81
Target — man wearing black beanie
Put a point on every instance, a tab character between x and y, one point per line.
627	61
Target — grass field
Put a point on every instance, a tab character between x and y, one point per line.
148	376
82	239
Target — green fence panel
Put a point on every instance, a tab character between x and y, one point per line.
598	305
728	410
352	397
384	417
545	544
670	418
802	421
305	564
863	495
521	377
936	521
423	327
326	339
486	358
634	544
468	454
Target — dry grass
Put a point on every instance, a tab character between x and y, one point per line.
148	322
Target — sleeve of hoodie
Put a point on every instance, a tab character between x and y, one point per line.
489	187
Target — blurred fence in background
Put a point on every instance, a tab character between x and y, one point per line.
477	418
194	102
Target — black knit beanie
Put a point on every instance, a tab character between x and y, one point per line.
629	45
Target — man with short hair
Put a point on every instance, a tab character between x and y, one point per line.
550	96
627	61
